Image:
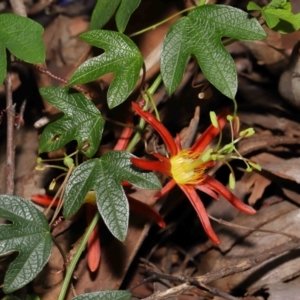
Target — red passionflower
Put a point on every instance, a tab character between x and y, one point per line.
187	169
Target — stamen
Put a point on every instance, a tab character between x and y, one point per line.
186	167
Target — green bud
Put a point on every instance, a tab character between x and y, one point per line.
247	132
213	119
255	166
40	167
231	181
52	185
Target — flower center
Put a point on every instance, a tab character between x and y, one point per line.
186	168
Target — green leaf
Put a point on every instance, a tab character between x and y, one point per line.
298	17
22	37
127	7
253	6
102	13
281	20
121	57
105	9
200	34
2	64
29	235
82	121
270	19
284	4
104	176
105	295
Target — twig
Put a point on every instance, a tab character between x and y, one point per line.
18	8
61	251
10	143
154	276
192	130
215	291
158	276
229	224
19	119
245	265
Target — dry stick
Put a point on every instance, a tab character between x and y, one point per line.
10	143
19	9
229	224
192	129
245	265
215	291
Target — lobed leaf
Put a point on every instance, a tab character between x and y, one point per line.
253	6
278	15
280	4
200	34
82	121
281	20
23	38
105	9
121	57
102	13
2	64
127	7
105	177
29	235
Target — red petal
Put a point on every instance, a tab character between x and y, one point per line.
210	133
228	195
124	137
178	142
203	188
93	244
201	212
166	189
146	211
163	167
159	127
126	184
160	157
44	200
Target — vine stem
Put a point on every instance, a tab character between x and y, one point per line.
151	90
162	22
76	257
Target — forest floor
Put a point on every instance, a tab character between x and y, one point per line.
258	257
